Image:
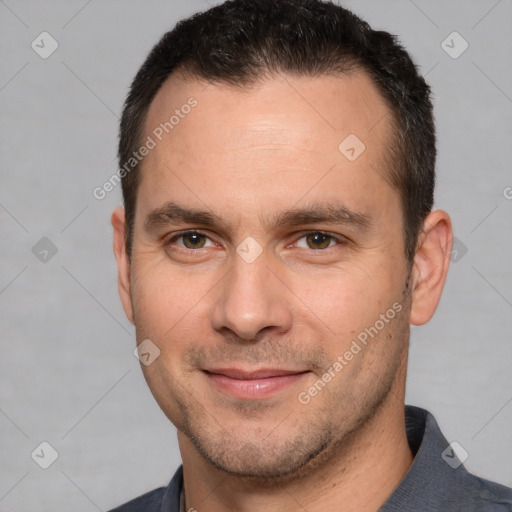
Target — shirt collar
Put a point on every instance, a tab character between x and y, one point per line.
430	480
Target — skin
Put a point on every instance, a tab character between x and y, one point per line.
247	156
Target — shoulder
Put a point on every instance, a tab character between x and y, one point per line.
163	498
489	496
437	478
149	502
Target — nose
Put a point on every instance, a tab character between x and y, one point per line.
250	299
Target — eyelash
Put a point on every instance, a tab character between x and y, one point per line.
338	239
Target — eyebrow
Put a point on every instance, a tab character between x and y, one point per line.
324	213
172	213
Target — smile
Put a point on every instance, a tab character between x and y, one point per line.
256	385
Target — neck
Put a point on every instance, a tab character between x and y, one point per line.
360	475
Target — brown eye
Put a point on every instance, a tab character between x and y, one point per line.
318	240
191	246
193	240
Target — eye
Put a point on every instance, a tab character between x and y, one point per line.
191	240
317	240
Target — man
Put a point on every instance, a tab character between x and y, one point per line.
277	240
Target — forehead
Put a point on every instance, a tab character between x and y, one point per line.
285	134
338	102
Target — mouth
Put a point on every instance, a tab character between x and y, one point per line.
253	385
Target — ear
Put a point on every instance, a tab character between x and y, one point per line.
430	266
123	264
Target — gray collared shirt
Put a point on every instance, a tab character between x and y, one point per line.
436	481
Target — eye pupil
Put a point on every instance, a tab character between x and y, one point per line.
318	240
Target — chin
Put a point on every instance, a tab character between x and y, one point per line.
263	458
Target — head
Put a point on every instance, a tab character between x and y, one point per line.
280	221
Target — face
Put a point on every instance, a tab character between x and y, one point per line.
268	268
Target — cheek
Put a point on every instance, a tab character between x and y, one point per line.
350	305
347	301
159	301
171	308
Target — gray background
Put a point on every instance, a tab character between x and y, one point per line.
68	375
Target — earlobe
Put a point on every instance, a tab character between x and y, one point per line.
123	264
430	268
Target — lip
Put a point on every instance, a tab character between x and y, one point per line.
253	385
